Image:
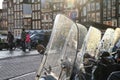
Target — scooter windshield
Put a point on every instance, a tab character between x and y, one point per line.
88	52
106	41
62	47
91	42
115	39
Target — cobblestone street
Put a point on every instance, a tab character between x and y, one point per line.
19	68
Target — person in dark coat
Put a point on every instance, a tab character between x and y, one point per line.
10	39
23	38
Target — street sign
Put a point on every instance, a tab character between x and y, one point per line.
73	15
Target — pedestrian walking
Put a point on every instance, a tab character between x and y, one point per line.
10	39
0	40
27	41
23	37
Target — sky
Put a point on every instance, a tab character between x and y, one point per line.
1	4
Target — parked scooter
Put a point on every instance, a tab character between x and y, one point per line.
59	61
72	52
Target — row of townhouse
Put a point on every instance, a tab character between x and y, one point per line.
40	14
32	14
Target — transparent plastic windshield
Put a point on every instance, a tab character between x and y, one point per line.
116	38
107	40
66	40
91	41
62	44
89	45
116	35
72	47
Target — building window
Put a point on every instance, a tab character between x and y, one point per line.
93	6
9	11
17	2
113	2
20	6
33	24
36	24
14	1
88	7
84	11
93	17
38	6
29	21
98	17
15	24
35	0
32	1
38	15
104	4
25	22
109	14
20	14
10	4
15	7
47	17
21	0
88	17
42	16
109	4
20	22
39	24
113	11
15	15
35	15
97	6
35	6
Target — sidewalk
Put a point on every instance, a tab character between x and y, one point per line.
7	54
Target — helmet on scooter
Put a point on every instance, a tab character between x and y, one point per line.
105	54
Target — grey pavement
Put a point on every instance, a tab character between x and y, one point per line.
20	68
17	52
29	76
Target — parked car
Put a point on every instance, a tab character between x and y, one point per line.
17	41
39	38
3	42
